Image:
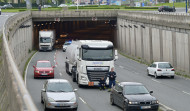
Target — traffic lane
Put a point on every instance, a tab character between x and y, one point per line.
165	89
92	97
135	67
34	86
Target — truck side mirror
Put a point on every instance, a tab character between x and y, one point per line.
116	55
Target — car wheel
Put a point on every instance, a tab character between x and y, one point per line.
124	107
75	109
172	77
155	75
148	73
111	100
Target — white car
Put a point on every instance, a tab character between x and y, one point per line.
58	94
65	45
158	69
46	6
62	5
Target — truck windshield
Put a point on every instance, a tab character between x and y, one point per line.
45	40
97	54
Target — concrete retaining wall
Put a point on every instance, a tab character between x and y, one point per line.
15	44
153	42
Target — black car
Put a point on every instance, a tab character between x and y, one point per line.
133	96
166	8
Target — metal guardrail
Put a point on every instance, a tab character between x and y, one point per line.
22	93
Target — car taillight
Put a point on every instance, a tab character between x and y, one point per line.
159	70
173	70
37	71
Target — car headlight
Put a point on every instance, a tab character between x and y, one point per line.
154	102
73	99
50	71
37	71
51	100
83	78
133	102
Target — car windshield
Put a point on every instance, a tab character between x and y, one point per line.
135	90
43	64
67	43
45	40
97	54
164	65
59	87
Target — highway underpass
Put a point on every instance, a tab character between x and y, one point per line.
76	30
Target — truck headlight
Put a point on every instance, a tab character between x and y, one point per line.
83	78
73	99
133	102
51	100
154	102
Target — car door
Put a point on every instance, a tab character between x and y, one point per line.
150	68
120	96
114	94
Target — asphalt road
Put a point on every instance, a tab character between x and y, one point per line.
174	93
3	18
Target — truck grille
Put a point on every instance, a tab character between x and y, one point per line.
95	75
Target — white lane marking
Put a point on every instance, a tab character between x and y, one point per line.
60	74
168	108
121	67
55	65
186	92
54	61
27	68
155	81
82	100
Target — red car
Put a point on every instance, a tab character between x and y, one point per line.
43	69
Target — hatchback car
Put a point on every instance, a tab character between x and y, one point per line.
58	94
7	6
166	8
158	69
43	69
133	96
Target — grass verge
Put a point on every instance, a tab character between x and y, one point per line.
171	4
25	66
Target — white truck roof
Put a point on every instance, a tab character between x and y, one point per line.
46	33
93	43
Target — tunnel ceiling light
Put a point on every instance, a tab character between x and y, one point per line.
42	24
125	26
130	26
142	26
121	25
135	26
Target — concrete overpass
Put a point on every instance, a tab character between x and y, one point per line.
145	36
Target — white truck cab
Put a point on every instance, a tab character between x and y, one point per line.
93	59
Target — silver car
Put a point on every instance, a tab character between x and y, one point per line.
58	94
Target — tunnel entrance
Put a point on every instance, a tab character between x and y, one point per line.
76	30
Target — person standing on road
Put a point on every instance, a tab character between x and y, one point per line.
39	7
112	75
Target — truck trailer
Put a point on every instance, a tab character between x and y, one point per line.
46	40
90	60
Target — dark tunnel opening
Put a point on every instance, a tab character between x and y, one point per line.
76	30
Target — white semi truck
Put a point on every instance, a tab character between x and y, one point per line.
46	40
90	60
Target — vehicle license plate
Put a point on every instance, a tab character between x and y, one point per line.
44	74
61	104
145	107
90	83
